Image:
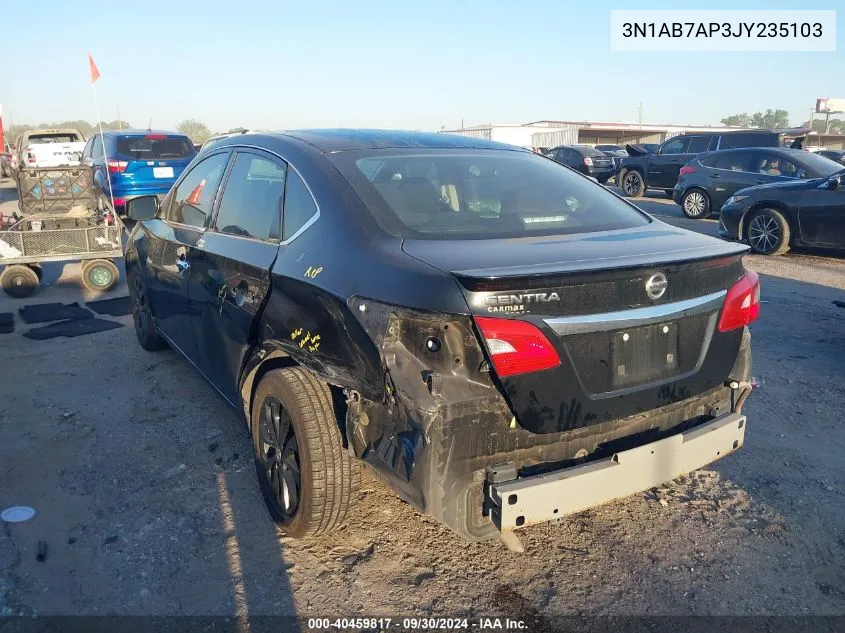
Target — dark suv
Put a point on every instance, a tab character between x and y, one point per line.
659	169
503	341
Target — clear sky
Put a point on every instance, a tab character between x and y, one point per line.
373	63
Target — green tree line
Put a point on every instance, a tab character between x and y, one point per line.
780	119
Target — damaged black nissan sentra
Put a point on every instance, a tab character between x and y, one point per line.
500	339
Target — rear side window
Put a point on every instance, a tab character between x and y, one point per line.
481	195
698	144
751	139
193	197
299	206
251	205
155	147
774	165
731	161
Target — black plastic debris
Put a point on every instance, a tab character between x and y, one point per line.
119	306
46	312
41	552
71	328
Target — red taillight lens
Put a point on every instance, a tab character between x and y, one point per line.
742	305
588	161
687	170
155	137
30	157
117	166
120	202
516	347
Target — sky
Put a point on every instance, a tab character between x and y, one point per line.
373	63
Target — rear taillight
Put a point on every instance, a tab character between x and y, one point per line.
516	347
687	170
742	304
30	157
155	137
117	166
588	161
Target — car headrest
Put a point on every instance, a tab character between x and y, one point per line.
419	196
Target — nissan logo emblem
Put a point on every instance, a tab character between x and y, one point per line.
656	286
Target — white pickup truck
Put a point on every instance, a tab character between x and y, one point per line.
48	148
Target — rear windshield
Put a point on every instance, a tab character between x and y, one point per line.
154	146
609	148
37	139
444	194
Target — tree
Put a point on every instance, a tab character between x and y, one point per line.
737	120
197	131
768	119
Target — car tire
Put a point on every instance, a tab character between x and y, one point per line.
695	203
768	232
19	281
142	315
307	477
100	275
632	184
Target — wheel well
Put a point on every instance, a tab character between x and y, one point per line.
281	362
762	206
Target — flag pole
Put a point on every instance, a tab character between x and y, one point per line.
94	79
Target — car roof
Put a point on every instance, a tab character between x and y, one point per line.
135	132
783	152
339	140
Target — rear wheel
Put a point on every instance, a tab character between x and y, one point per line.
695	204
19	281
142	315
632	184
306	476
768	232
99	275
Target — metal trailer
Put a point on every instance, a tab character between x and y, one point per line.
62	217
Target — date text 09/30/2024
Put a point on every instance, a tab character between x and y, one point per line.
416	624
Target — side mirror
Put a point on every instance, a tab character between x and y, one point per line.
143	208
834	183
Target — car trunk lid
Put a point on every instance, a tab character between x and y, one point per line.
631	314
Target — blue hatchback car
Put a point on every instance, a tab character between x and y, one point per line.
138	162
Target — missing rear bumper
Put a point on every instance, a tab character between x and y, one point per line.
526	501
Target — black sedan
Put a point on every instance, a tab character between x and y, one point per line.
707	181
466	318
772	218
590	162
837	155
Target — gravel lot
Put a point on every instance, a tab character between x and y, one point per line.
147	500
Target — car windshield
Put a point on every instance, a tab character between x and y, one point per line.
437	194
824	167
155	146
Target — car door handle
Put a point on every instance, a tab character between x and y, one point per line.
182	265
714	176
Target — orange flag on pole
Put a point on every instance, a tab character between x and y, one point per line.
95	73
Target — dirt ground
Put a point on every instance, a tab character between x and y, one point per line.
145	494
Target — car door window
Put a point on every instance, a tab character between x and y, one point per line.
86	153
733	161
300	206
677	145
698	144
96	146
251	204
563	155
774	165
193	197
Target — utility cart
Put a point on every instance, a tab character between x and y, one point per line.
61	216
